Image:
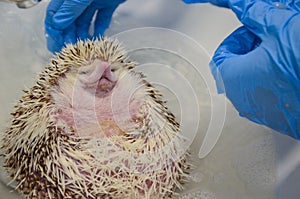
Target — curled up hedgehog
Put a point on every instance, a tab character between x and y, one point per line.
92	127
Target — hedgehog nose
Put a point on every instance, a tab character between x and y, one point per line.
102	70
107	74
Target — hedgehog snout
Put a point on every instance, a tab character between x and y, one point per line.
96	71
97	75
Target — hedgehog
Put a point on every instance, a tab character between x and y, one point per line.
94	127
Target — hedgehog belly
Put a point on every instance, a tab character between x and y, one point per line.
98	104
92	116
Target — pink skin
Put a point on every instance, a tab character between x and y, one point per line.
96	101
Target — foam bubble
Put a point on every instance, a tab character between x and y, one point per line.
257	165
197	176
198	195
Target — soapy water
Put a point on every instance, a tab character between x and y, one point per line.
196	177
252	168
198	195
239	163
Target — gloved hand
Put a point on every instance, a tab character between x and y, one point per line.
259	63
69	20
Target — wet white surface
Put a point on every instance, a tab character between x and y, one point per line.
248	162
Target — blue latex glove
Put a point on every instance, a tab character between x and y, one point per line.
69	20
259	63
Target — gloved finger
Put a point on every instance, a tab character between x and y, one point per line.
70	35
237	45
221	3
54	37
237	66
83	22
240	42
55	40
103	19
295	5
261	17
52	8
240	77
68	13
249	86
